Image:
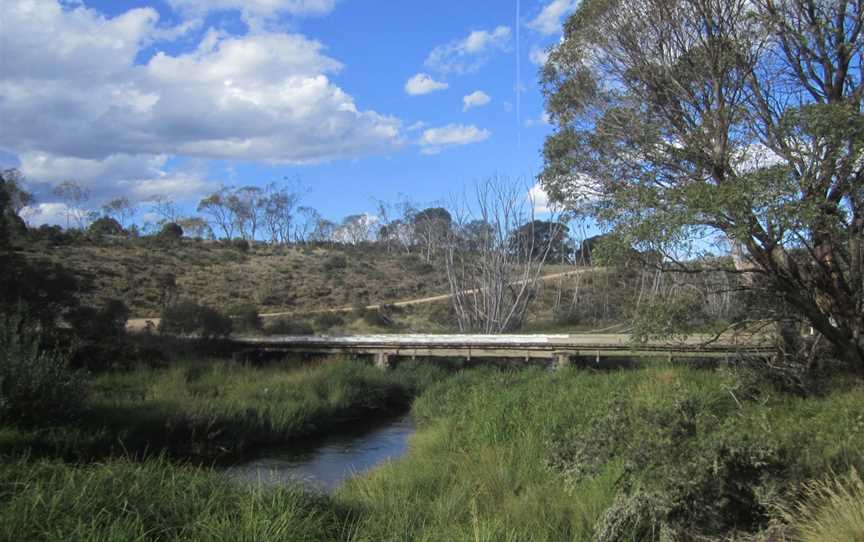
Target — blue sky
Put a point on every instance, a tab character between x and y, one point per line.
359	100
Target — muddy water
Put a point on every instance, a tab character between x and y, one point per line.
325	463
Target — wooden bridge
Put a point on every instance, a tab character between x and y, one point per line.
561	349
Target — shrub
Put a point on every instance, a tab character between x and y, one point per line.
327	320
188	318
101	334
334	263
245	317
241	244
284	326
36	385
105	226
170	232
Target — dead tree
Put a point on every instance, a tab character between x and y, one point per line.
493	271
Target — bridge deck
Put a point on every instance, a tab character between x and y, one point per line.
510	346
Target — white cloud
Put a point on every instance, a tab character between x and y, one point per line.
469	54
257	8
423	83
138	177
538	56
434	140
549	20
539	199
542	119
477	98
74	88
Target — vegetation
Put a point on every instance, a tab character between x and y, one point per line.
673	128
656	453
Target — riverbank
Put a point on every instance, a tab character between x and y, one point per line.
500	455
215	411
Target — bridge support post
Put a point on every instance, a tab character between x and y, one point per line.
562	360
382	360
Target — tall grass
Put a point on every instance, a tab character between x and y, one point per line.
831	510
215	410
500	455
154	500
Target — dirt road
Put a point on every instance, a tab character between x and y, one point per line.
139	324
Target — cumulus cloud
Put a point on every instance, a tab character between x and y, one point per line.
538	56
434	140
469	54
549	20
539	199
478	98
74	87
139	177
423	83
257	8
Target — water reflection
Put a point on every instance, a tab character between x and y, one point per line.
327	462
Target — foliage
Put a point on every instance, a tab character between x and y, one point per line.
328	320
831	510
105	226
286	326
245	317
171	232
335	263
36	385
673	129
156	500
188	318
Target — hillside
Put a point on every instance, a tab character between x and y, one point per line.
273	278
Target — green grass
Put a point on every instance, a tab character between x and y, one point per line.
500	455
217	410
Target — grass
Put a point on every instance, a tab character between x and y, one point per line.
274	278
500	455
217	410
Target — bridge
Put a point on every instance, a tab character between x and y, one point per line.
561	349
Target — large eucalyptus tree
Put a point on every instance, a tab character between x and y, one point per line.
740	118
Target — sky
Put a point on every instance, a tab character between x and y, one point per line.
358	101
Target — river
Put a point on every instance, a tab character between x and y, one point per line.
326	462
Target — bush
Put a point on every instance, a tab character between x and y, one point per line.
327	320
100	333
241	244
334	263
36	385
245	317
170	233
187	318
105	226
284	326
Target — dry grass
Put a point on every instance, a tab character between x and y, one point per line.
831	510
275	278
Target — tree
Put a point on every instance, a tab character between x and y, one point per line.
219	208
248	205
739	118
279	204
431	227
120	209
165	208
105	226
74	198
355	229
195	226
543	235
492	278
19	198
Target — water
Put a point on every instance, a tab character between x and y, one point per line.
327	462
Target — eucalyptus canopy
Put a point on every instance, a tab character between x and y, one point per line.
739	119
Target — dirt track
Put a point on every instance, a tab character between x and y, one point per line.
138	324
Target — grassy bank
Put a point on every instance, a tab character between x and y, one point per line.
662	453
217	410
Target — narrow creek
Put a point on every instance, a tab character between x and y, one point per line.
326	462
